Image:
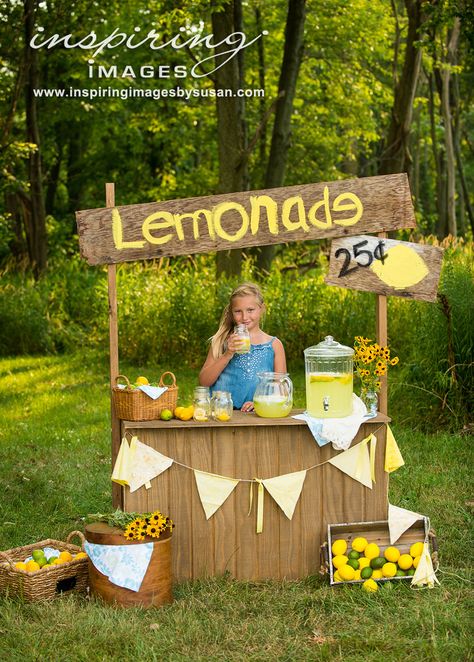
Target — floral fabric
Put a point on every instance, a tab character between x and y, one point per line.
124	565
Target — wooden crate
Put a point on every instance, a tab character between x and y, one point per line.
377	532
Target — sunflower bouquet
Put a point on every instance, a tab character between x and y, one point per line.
371	362
137	525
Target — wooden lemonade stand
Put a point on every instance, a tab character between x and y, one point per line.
249	448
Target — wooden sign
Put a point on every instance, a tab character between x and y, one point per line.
385	266
250	218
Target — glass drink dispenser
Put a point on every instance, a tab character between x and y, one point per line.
329	379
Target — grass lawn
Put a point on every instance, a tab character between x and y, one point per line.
55	468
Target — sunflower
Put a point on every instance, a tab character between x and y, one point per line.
394	361
157	519
153	531
129	533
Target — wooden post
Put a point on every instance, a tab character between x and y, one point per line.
382	339
113	351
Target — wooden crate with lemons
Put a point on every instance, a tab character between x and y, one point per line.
44	570
362	553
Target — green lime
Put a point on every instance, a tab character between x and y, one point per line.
366	573
378	562
353	554
42	561
354	563
400	573
37	555
411	572
166	415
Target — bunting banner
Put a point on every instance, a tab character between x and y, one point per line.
424	573
137	464
399	520
357	462
286	490
393	457
213	490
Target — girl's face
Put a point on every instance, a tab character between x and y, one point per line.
246	310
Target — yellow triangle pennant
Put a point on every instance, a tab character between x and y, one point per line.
213	490
393	457
399	520
286	490
122	466
424	573
355	462
146	464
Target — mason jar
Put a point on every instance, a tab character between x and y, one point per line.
221	406
202	404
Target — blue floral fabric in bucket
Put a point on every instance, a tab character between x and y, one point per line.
124	565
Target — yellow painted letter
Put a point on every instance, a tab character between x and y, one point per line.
217	213
117	234
323	225
195	218
355	204
150	224
286	210
256	203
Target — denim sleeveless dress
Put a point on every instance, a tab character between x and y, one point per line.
239	377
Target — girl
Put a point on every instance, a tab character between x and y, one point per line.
224	370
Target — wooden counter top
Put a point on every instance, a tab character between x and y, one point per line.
239	419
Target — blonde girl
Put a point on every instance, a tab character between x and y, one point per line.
224	370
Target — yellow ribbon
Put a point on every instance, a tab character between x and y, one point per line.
260	495
373	445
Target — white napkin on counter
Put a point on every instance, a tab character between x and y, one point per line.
338	431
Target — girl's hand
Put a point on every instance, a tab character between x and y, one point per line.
233	343
247	406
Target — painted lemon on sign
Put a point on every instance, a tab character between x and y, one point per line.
401	268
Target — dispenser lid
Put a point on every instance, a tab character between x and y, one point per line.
328	348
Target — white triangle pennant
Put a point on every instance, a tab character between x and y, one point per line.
213	490
399	520
424	573
146	464
355	462
286	490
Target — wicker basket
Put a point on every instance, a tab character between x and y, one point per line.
49	582
131	404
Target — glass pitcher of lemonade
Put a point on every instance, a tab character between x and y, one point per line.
274	395
329	379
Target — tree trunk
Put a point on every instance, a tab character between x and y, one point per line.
292	55
35	218
230	125
396	155
448	132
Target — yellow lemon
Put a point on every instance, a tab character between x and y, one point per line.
65	556
359	544
370	586
372	551
339	547
377	574
364	562
321	378
392	554
81	555
339	560
223	417
20	565
389	569
337	577
357	575
178	411
416	560
405	562
32	566
346	573
142	381
58	561
416	549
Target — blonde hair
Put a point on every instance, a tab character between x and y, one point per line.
226	326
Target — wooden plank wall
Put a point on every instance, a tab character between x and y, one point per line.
228	540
